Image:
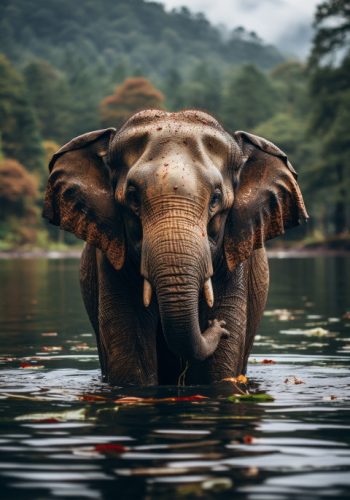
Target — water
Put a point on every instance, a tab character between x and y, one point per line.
64	436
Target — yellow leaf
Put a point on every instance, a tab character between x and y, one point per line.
241	379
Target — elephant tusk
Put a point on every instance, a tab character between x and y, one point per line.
208	292
147	293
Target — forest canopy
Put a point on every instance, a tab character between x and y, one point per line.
66	69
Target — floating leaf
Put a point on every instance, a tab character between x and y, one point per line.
51	420
254	398
280	314
92	398
82	347
108	448
241	379
196	397
217	485
294	380
310	332
257	397
250	472
135	400
129	400
52	417
332	397
151	471
47	348
31	366
248	439
268	362
49	334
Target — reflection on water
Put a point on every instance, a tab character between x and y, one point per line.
65	434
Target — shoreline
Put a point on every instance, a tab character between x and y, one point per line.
281	253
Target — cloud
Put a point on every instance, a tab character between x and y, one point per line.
285	23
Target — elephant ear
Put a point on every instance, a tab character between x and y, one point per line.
79	196
267	199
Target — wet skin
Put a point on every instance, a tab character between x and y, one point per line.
175	212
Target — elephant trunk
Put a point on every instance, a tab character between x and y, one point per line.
176	260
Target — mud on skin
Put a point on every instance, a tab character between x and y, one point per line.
175	212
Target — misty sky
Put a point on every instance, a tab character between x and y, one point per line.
285	23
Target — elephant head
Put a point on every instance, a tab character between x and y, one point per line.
177	196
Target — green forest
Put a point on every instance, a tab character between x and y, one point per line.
68	68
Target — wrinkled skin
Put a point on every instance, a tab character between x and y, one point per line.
164	204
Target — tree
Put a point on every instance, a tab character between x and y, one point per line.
50	148
202	90
49	96
87	86
133	95
332	35
18	126
172	87
249	99
329	67
291	79
18	189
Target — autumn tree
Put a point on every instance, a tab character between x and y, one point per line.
133	95
18	189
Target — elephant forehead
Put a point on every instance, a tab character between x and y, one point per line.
149	116
169	136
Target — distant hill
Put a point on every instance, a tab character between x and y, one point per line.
122	35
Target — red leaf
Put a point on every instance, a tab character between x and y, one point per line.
92	398
130	400
247	439
196	397
268	362
51	420
110	448
32	366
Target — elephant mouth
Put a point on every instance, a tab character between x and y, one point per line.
207	292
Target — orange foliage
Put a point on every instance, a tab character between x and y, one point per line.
17	187
133	95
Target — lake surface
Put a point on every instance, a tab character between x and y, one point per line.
64	434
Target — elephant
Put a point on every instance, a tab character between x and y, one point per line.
175	212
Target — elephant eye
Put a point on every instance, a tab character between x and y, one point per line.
215	199
133	199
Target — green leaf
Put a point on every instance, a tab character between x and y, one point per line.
254	398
